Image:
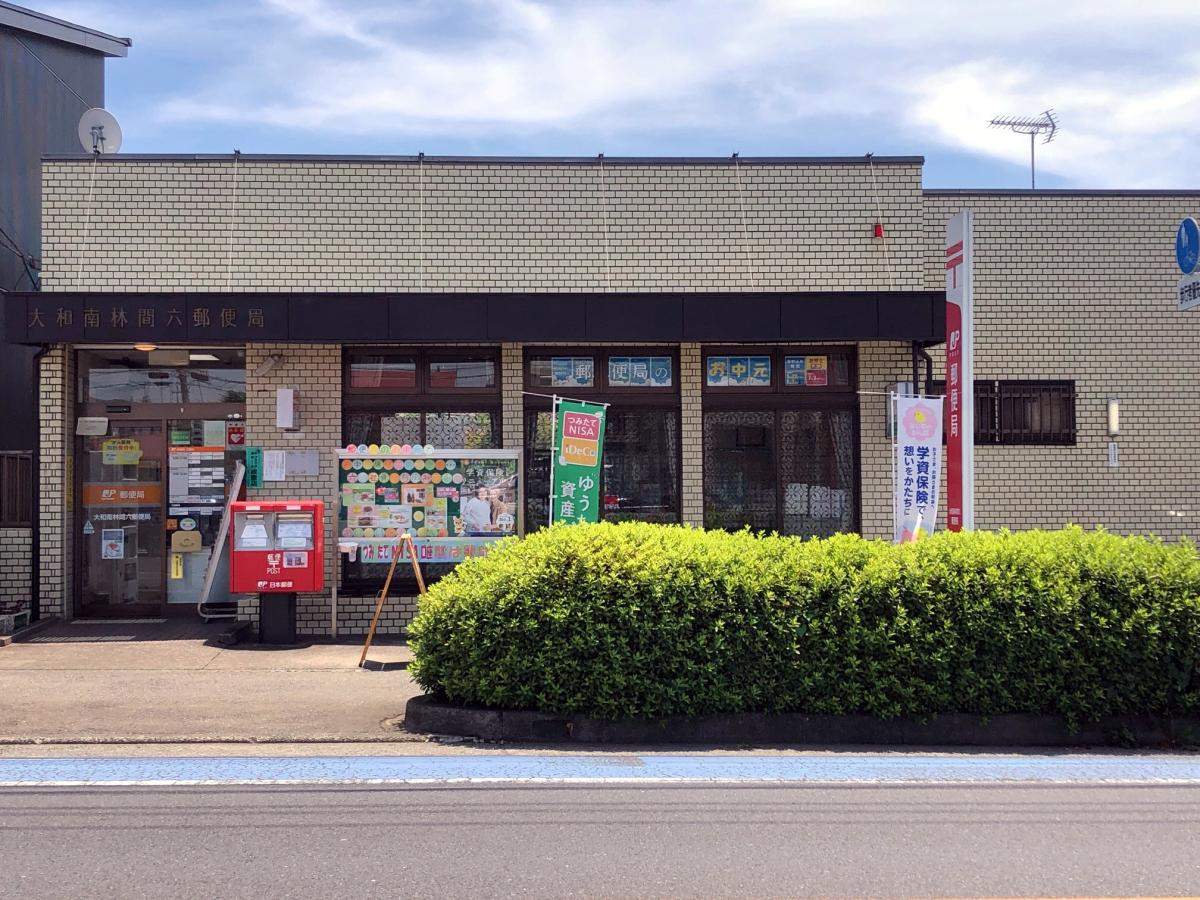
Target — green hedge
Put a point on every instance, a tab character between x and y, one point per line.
649	620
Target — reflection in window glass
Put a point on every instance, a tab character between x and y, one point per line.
641	465
126	376
562	371
383	373
475	374
739	470
640	472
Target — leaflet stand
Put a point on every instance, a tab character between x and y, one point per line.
210	573
404	541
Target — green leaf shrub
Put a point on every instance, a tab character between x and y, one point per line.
634	619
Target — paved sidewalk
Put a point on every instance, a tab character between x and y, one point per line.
192	689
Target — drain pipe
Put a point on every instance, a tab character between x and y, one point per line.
924	354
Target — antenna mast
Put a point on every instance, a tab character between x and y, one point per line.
1046	123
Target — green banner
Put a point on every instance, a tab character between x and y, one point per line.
575	462
254	467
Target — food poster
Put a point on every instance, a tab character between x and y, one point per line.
453	504
806	371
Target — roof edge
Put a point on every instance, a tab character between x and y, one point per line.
500	160
1059	192
34	22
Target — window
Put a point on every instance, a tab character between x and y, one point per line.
165	375
781	440
426	396
641	433
1022	412
16	490
772	370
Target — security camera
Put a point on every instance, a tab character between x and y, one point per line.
268	364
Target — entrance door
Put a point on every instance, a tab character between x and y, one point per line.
121	508
201	460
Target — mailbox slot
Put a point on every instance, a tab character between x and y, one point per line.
294	531
254	531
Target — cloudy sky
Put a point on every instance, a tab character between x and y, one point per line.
675	77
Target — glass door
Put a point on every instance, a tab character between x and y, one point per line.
121	510
201	459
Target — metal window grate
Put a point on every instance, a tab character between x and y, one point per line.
16	490
1019	413
1035	412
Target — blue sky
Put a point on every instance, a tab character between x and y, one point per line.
673	77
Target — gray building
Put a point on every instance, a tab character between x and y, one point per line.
50	72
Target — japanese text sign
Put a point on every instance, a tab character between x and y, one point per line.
579	447
918	466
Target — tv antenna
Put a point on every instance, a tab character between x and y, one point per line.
1045	124
99	132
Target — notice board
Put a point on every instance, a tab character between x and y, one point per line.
455	503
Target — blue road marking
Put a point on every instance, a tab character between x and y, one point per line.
836	768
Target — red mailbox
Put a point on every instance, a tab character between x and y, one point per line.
278	547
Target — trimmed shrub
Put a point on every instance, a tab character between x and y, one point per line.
640	620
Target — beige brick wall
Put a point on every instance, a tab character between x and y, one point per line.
55	482
691	434
1083	287
347	226
15	547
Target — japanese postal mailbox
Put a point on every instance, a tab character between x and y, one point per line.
278	547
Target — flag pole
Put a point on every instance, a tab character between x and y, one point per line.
553	451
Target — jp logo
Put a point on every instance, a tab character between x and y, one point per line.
1187	245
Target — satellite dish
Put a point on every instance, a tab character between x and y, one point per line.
99	131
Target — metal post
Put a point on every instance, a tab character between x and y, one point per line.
553	453
1032	165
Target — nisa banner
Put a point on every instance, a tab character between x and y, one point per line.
575	462
918	466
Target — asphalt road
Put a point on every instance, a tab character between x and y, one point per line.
574	840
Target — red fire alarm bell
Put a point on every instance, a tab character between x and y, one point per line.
278	547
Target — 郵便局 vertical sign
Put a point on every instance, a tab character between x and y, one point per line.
579	443
960	373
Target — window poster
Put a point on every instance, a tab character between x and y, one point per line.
572	371
640	371
806	371
112	543
739	371
455	504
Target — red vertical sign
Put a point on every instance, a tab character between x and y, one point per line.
960	381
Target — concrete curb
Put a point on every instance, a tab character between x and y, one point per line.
399	737
952	730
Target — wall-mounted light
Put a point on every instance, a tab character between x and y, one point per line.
1114	416
145	346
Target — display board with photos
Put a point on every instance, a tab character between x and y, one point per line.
456	503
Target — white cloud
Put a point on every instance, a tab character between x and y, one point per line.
929	73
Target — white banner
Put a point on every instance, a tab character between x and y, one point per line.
918	466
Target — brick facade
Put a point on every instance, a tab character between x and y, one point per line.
16	544
1082	287
1077	287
